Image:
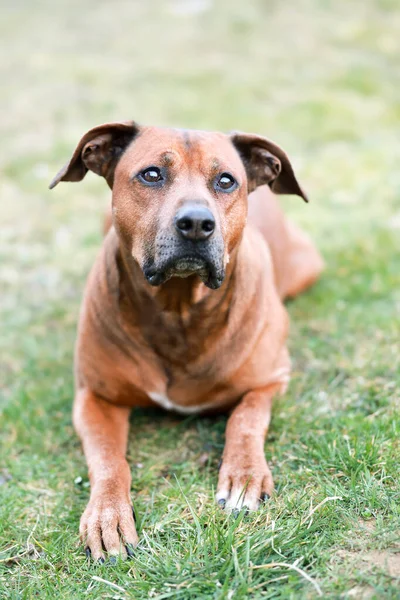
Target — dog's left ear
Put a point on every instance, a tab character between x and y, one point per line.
266	163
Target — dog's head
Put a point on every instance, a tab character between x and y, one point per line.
180	197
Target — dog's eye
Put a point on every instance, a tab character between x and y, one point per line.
225	182
151	175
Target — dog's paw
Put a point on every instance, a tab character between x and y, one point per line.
244	483
108	523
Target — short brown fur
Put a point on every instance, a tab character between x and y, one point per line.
179	343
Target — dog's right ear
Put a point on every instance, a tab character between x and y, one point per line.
99	151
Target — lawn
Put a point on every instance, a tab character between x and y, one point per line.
323	79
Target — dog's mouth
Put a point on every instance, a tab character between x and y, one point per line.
186	266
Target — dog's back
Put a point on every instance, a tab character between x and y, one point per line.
297	263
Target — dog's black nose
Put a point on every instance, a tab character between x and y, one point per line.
195	222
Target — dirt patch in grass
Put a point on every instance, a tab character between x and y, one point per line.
361	592
384	560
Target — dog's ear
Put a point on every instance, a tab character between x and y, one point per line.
99	151
266	163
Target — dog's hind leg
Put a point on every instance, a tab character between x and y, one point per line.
303	264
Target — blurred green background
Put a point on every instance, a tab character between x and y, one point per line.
322	78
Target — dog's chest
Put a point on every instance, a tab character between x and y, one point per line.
166	403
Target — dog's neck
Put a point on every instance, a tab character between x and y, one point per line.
181	295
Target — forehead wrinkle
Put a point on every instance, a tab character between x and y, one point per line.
152	158
215	164
167	157
186	140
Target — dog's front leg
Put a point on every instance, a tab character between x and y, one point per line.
108	521
244	476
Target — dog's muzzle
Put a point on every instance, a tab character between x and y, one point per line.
193	246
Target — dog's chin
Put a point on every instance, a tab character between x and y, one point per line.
209	274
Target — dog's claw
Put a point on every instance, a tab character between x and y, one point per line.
114	525
265	497
101	561
88	552
129	550
243	484
222	502
113	560
235	513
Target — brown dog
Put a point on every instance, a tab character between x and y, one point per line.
183	307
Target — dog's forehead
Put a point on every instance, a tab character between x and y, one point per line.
191	146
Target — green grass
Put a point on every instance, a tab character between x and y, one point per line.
320	77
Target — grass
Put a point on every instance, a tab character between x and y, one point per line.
321	78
